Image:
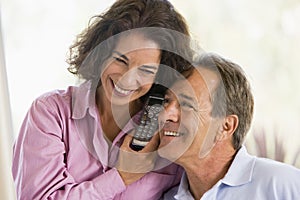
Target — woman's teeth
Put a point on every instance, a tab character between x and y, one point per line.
172	133
122	91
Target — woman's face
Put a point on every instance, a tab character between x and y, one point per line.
131	69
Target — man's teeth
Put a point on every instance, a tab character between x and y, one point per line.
122	91
171	133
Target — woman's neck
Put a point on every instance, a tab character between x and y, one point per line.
114	117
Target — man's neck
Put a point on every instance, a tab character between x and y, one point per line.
204	173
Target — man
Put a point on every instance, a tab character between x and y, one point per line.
203	126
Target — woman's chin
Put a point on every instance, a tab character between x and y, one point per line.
122	100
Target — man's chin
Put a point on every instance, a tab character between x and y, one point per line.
169	152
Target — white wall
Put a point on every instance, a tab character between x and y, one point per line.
6	131
36	35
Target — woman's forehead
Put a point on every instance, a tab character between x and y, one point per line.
135	41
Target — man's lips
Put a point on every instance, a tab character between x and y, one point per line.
170	129
172	133
167	136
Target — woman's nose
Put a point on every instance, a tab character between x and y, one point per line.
130	79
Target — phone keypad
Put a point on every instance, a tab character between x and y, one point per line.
149	125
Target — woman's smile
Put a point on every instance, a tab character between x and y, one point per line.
122	92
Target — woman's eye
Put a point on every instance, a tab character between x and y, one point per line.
120	60
146	71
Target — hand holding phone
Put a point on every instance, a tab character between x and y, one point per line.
149	121
134	165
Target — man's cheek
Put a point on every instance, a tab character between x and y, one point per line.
191	132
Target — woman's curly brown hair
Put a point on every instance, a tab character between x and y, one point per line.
126	15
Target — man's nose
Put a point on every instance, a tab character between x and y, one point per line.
172	112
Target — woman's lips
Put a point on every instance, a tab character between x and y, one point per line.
121	91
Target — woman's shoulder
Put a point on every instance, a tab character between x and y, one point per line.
57	96
65	95
64	100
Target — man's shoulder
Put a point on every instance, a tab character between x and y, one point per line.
276	178
264	168
272	169
262	178
270	176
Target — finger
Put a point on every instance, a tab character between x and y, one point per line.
153	144
125	145
131	133
127	139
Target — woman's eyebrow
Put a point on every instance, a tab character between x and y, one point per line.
121	55
150	66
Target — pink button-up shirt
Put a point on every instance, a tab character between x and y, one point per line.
61	153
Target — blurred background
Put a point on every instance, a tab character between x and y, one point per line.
262	36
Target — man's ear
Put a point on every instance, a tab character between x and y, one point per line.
228	127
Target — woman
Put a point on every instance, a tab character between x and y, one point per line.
68	143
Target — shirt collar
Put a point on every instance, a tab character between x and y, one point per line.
239	173
241	169
83	99
183	189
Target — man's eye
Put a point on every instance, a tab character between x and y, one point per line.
187	105
120	60
166	101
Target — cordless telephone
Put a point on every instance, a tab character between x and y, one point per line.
149	120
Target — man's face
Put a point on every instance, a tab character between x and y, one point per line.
186	127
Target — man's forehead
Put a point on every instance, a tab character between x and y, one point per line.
201	80
182	87
210	78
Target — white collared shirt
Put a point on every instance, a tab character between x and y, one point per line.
250	178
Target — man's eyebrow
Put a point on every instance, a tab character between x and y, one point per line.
187	97
121	55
